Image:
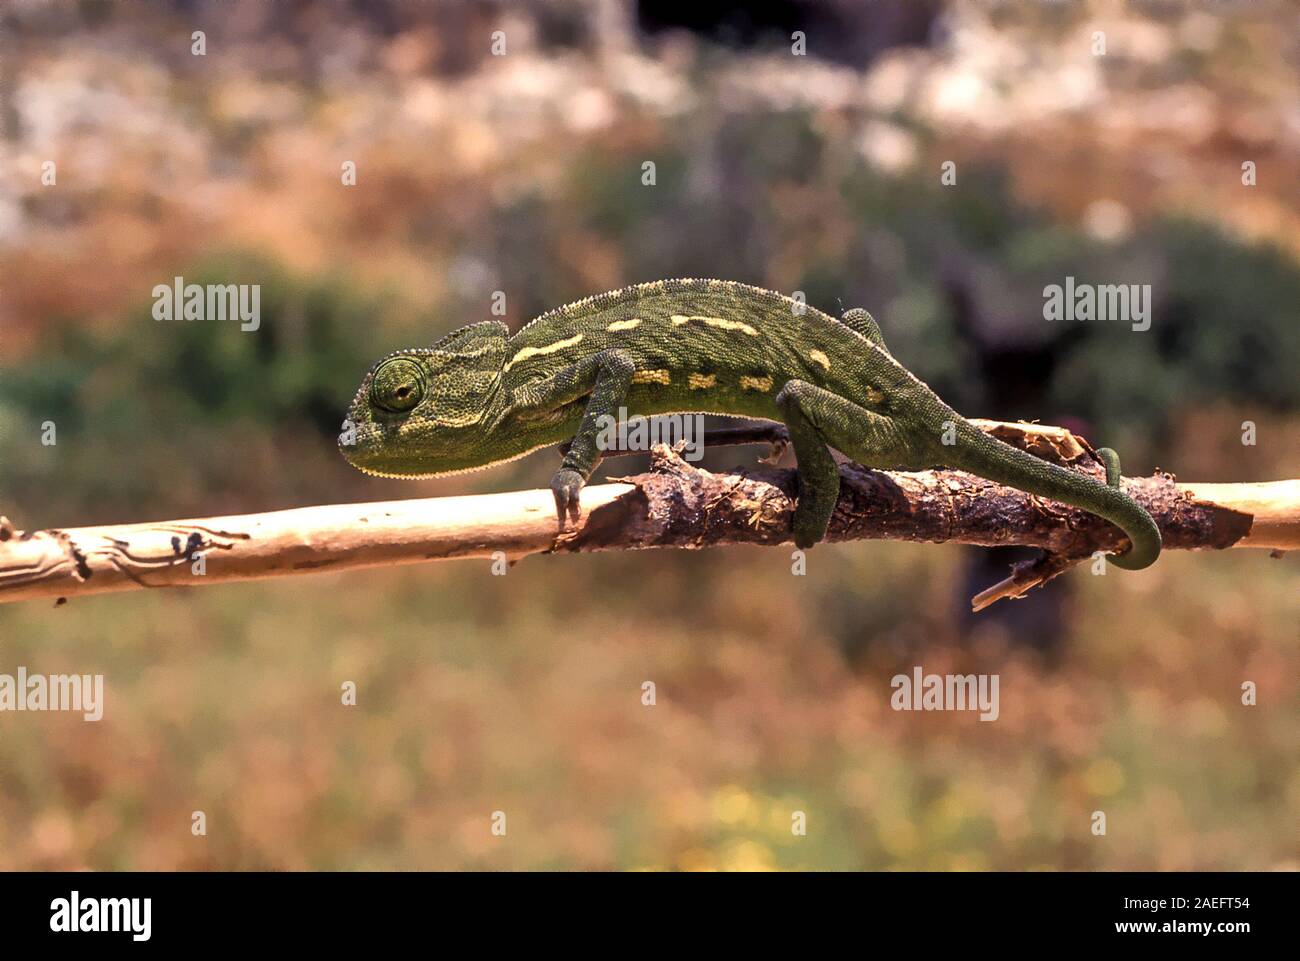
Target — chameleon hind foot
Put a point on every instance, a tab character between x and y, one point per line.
819	476
566	485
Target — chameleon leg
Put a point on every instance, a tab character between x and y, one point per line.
817	417
819	476
608	375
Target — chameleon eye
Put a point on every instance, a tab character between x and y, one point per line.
398	385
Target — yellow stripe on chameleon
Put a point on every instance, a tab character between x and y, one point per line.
625	324
679	319
756	383
652	377
702	381
548	349
820	358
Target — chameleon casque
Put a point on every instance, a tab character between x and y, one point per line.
480	397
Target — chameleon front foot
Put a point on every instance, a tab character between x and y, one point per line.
566	485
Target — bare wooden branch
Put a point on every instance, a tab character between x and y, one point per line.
674	504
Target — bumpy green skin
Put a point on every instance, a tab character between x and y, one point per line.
480	397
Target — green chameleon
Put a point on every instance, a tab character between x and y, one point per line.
481	397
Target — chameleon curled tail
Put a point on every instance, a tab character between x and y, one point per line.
989	457
1144	531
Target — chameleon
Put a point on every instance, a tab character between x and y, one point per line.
480	397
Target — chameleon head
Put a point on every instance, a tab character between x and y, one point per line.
428	411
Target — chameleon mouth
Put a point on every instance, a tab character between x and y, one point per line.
368	457
453	472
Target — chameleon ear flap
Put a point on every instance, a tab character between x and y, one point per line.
859	320
485	340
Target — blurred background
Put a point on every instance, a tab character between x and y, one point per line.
523	173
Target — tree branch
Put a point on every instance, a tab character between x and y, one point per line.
674	504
